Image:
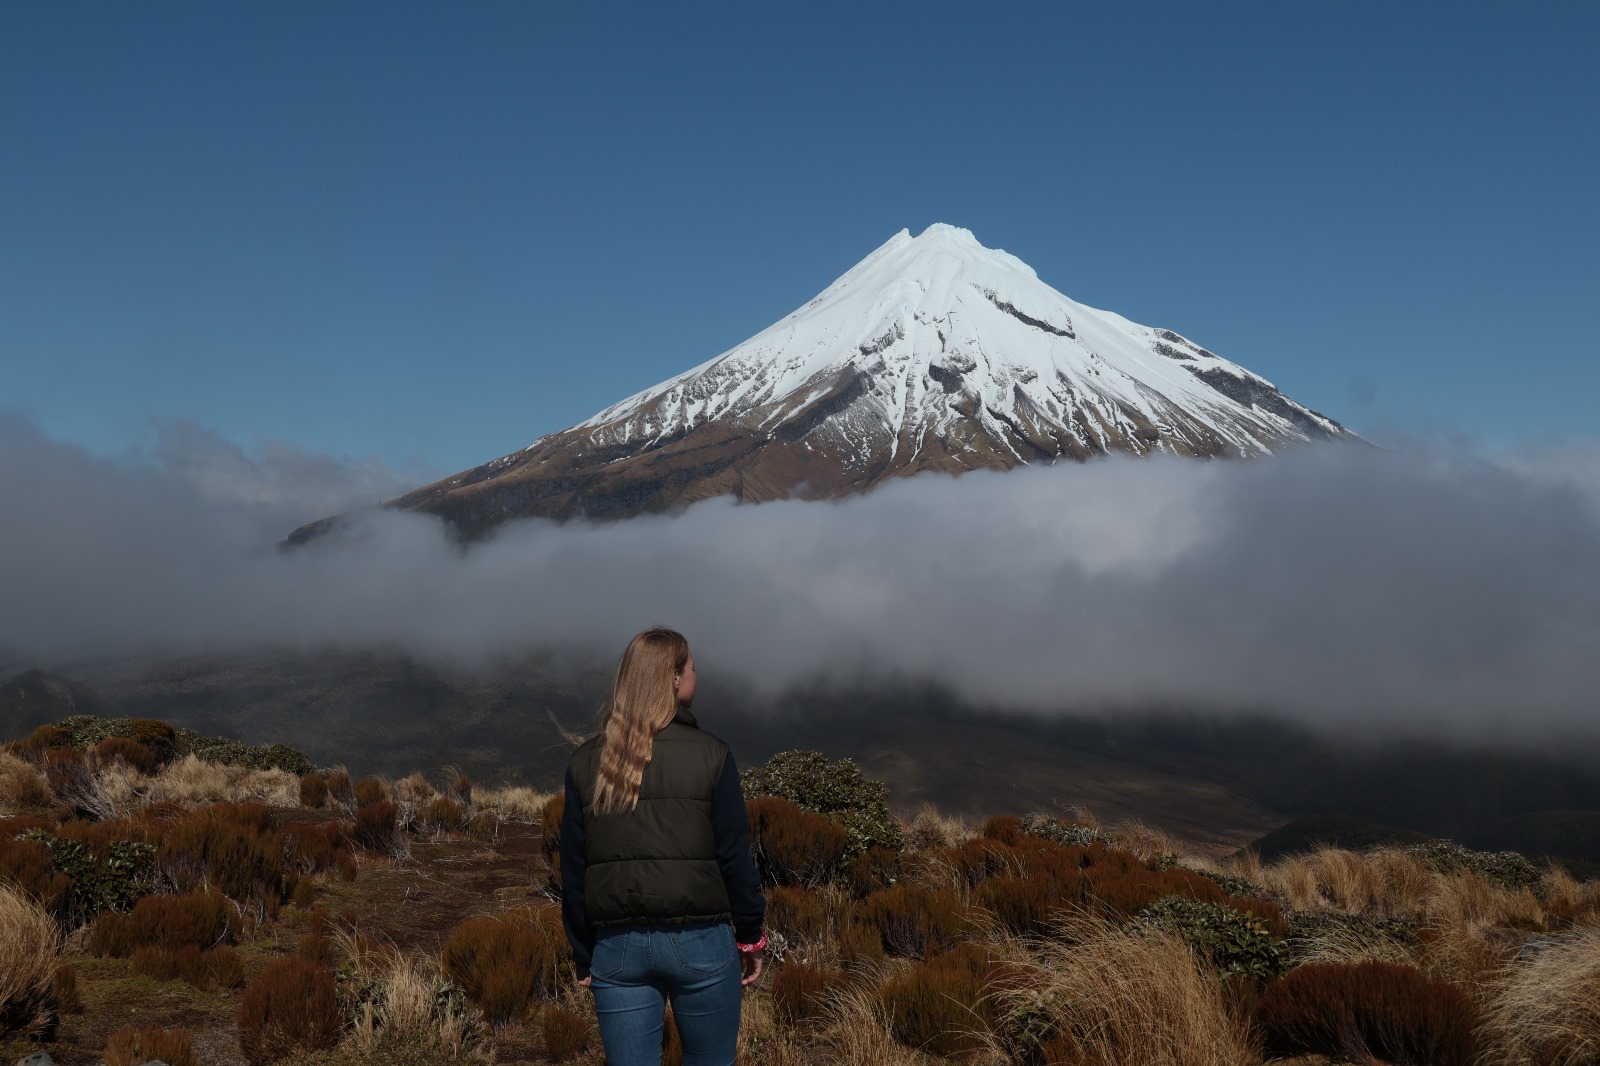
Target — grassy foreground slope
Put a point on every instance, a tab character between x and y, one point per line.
164	894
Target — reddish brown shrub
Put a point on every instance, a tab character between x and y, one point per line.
797	913
316	943
793	846
859	943
222	968
671	1042
914	920
27	865
154	734
871	870
372	790
292	1006
15	825
210	971
33	746
64	989
348	867
1368	1009
136	1045
132	753
485	825
550	824
550	839
313	791
503	966
442	815
71	775
458	785
340	788
940	1006
566	1033
800	990
198	918
1023	905
231	846
1006	828
159	963
315	848
377	830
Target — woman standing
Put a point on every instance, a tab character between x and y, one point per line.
660	895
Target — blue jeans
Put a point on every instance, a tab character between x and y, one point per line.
637	968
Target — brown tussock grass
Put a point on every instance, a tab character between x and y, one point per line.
29	944
1545	1008
1119	996
405	1009
1351	944
858	1033
1146	841
23	786
929	830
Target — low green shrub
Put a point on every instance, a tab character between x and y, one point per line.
1508	869
1235	942
238	753
839	789
106	875
1072	834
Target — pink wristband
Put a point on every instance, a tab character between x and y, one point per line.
756	948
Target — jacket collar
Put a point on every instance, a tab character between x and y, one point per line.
683	717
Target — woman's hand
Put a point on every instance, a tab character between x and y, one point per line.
750	966
586	982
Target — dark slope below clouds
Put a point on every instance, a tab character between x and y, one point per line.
1419	587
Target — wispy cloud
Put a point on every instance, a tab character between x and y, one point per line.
1348	585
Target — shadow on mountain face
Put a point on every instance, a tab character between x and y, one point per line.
1218	782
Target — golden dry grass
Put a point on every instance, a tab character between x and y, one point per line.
514	803
23	786
405	1009
1545	1008
1119	996
192	782
857	1034
29	944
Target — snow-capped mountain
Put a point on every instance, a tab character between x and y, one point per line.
933	353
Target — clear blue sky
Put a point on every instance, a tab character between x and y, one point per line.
429	232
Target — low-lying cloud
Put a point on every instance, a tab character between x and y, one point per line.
1334	585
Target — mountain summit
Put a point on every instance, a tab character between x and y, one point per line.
932	353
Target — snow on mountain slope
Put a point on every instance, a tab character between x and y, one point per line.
945	332
933	353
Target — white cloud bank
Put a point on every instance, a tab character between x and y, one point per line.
1337	585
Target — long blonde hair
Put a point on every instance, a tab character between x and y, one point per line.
643	701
